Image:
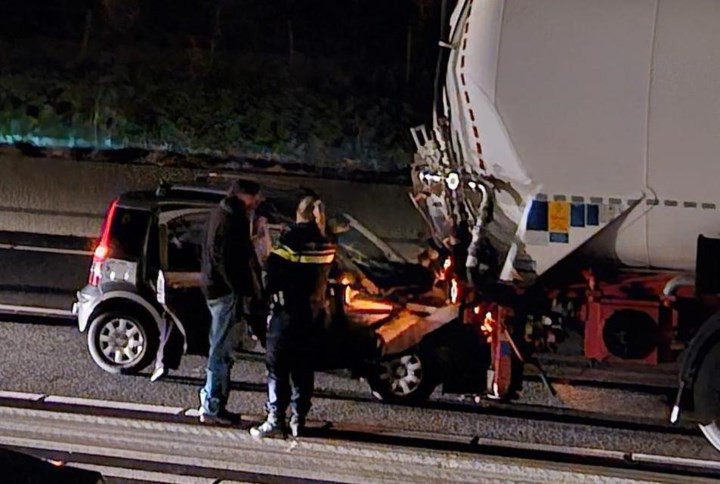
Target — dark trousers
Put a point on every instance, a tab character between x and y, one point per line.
288	358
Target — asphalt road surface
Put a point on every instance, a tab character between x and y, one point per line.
53	360
42	271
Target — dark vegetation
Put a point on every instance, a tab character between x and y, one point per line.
331	83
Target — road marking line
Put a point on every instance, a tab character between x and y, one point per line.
169	453
580	451
681	461
132	474
194	412
180	442
49	250
35	310
137	407
34	397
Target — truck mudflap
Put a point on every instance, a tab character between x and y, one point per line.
410	325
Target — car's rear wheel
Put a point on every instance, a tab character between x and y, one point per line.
404	378
706	393
122	341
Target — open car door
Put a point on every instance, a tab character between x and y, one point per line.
180	235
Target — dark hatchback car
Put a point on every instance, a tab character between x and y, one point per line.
387	325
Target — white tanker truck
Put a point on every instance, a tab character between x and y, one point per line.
575	153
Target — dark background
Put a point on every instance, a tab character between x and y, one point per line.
325	82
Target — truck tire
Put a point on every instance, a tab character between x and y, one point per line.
122	342
407	378
706	394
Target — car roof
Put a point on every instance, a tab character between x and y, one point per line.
280	197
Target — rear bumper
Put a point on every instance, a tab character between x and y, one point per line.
87	299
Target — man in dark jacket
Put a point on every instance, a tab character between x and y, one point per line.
297	281
229	277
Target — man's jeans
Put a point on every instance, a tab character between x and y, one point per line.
224	337
290	370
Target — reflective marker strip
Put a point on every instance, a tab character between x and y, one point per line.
586	212
593	200
305	257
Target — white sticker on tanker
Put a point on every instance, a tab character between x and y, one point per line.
537	237
608	213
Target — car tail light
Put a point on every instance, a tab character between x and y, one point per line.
102	250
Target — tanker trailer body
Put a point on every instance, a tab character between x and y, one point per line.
579	141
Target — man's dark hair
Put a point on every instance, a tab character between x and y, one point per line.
242	185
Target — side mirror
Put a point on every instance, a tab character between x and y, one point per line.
160	288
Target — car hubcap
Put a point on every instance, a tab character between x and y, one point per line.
403	376
121	341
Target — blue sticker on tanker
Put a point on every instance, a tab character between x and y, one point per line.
559	238
593	215
538	216
577	215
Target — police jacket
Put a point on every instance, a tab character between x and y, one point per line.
228	255
297	273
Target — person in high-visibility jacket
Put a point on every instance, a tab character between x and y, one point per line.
297	282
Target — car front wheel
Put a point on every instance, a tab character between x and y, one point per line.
122	342
403	378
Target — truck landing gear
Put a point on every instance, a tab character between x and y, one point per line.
505	377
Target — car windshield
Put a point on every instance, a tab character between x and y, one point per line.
356	247
354	243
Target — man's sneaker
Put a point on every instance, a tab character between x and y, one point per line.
272	427
297	426
223	418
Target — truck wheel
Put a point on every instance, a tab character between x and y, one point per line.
706	393
405	378
122	342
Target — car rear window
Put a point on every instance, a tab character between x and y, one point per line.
128	230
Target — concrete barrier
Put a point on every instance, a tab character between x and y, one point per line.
68	197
